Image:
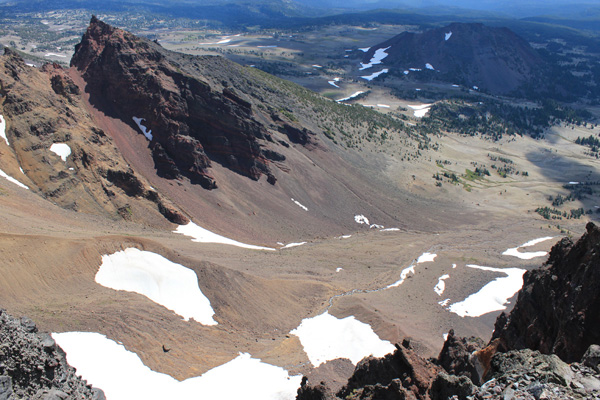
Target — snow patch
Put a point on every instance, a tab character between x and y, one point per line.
421	110
377	58
429	66
361	219
383	106
403	276
390	230
447	35
332	83
353	95
201	235
13	180
365	49
441	285
128	378
444	303
54	55
287	246
493	296
144	130
326	338
425	257
300	205
338	269
317	66
376	226
3	130
375	75
164	282
269	46
62	150
529	255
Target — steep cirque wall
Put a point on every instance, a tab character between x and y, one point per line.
192	123
44	107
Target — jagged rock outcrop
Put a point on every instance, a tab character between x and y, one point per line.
557	308
32	366
472	54
458	356
44	107
400	375
192	123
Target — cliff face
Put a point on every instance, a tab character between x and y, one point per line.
192	124
45	107
494	59
557	311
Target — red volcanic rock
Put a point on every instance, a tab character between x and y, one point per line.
192	124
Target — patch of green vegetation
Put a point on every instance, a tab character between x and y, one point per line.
356	124
592	142
553	213
289	115
496	119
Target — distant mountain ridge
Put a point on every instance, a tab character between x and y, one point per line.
495	60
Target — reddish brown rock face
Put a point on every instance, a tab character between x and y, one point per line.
192	124
557	309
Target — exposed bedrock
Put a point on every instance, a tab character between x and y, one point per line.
192	124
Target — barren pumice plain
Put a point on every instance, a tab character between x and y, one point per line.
176	220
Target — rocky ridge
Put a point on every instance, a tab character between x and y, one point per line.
192	122
33	366
535	352
44	107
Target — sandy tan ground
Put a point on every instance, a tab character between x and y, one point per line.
49	256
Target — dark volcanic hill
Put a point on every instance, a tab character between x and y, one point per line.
495	60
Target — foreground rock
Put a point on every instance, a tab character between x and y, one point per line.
555	321
32	366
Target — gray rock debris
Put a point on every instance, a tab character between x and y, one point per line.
32	366
591	358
